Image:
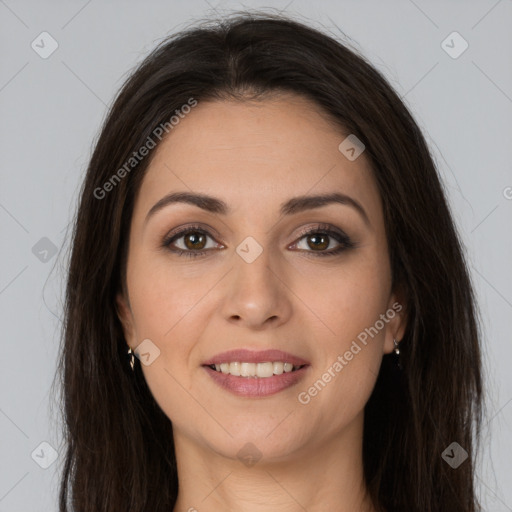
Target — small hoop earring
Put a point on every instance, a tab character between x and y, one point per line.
397	353
131	358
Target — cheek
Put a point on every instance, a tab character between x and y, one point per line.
350	304
348	298
168	305
162	296
167	308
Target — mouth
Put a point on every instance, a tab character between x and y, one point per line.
256	374
262	370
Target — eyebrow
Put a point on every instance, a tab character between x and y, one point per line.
289	207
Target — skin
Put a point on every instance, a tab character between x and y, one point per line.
254	156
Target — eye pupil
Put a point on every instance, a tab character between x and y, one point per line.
196	236
317	237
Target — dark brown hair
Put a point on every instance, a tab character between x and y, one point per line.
120	453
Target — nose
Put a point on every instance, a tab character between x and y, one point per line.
257	293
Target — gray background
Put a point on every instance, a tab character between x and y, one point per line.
51	110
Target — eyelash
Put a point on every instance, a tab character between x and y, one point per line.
321	229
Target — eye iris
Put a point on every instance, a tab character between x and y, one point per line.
317	237
196	236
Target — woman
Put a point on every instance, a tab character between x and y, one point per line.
262	224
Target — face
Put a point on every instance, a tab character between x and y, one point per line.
204	282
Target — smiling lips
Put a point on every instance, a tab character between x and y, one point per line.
255	373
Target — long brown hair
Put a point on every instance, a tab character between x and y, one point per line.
119	443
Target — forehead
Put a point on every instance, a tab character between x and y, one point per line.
256	153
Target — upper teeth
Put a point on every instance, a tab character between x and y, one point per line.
255	369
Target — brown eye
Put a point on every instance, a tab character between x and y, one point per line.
318	238
195	240
319	241
189	241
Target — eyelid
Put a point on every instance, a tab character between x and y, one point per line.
205	228
322	227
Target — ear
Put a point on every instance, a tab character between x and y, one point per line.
397	320
124	313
